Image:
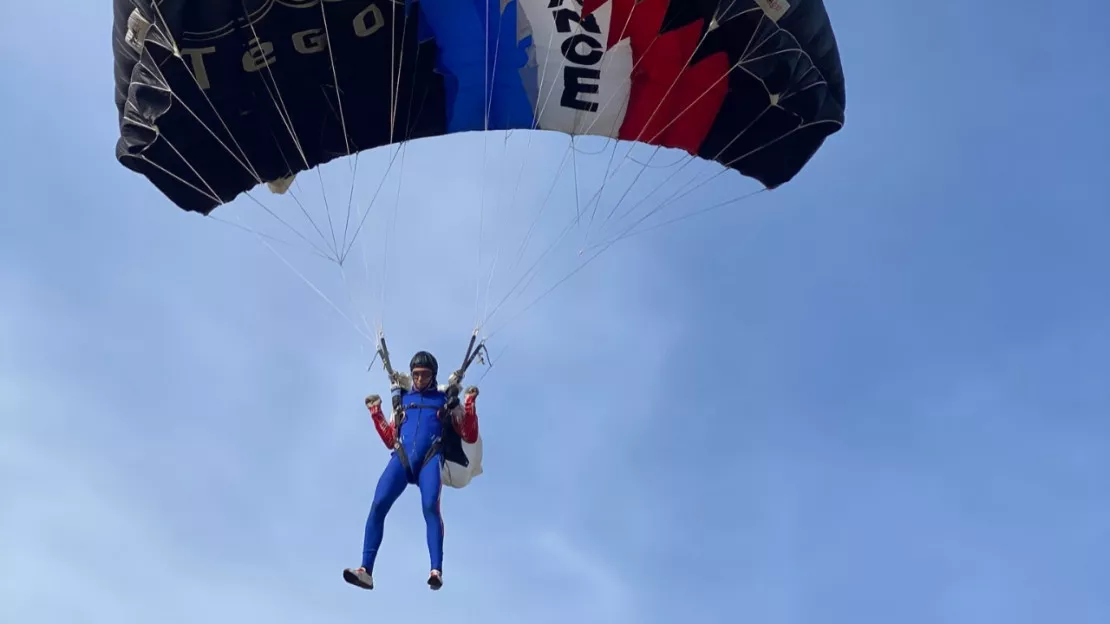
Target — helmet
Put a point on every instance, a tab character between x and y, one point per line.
423	359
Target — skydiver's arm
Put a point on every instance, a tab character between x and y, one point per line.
465	421
385	428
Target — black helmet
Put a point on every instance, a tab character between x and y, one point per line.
423	359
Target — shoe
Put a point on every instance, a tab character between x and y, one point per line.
359	577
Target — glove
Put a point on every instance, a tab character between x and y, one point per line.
373	401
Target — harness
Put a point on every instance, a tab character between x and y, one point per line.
449	442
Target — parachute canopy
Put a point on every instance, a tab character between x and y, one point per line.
218	96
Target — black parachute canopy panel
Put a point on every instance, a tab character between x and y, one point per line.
786	91
217	96
754	85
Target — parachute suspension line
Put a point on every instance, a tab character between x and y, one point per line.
526	278
394	71
690	215
704	182
624	195
487	88
543	74
490	79
481	212
287	120
275	93
605	105
528	145
250	230
315	289
354	304
362	219
608	176
595	199
654	189
243	162
200	191
211	193
520	251
346	141
491	361
498	202
682	192
496	219
658	107
543	206
177	54
396	62
374	197
390	232
535	124
679	193
395	74
654	112
350	202
551	289
249	167
394	88
297	199
577	194
605	59
327	211
263	239
335	78
487	102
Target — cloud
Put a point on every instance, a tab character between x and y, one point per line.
191	434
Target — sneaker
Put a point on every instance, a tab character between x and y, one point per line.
359	577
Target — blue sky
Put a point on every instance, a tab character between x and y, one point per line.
896	408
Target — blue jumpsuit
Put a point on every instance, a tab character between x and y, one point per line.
420	433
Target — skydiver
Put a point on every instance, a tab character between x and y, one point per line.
427	433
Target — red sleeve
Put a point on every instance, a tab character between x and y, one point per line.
384	427
468	427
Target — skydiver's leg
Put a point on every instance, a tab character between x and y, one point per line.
390	486
431	487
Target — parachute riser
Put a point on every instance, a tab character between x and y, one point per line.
475	350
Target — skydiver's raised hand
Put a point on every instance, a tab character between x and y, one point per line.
385	429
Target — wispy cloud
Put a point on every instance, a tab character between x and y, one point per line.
877	394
